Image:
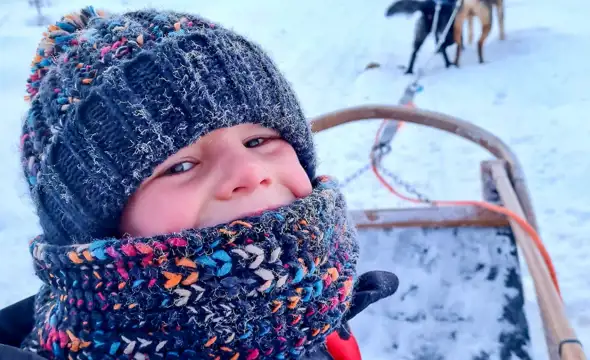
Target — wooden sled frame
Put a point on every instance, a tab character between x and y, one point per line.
508	177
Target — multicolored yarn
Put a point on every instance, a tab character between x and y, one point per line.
114	95
266	287
72	33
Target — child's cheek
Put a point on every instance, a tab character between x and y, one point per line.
171	211
159	210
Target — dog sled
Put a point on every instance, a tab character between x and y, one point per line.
461	292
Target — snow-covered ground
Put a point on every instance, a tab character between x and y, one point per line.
528	93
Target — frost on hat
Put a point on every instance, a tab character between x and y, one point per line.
112	96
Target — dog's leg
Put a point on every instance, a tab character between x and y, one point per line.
410	69
485	31
420	34
448	41
443	51
501	18
485	17
458	35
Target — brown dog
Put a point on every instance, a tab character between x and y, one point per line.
483	10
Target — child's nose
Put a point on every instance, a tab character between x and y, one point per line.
242	175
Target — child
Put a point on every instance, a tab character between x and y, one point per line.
173	174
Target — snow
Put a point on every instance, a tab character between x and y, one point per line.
451	283
528	94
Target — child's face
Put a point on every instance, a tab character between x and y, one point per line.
227	174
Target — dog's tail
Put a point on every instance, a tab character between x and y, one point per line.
405	7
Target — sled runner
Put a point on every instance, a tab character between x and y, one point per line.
461	295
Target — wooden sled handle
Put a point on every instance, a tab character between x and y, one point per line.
443	122
555	322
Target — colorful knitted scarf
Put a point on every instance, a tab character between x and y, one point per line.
269	286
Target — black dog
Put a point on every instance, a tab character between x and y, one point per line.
424	25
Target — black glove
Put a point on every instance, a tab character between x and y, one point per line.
371	287
12	353
16	322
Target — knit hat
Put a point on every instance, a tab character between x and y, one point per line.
112	96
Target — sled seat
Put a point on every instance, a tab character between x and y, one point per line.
460	295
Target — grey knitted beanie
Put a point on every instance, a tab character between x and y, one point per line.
112	96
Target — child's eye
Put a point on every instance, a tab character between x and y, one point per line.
180	168
255	142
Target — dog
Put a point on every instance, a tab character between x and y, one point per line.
483	10
424	24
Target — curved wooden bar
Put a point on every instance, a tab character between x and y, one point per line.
440	121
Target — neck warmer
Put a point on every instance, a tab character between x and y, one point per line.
262	287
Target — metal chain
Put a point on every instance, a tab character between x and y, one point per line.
355	175
407	186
